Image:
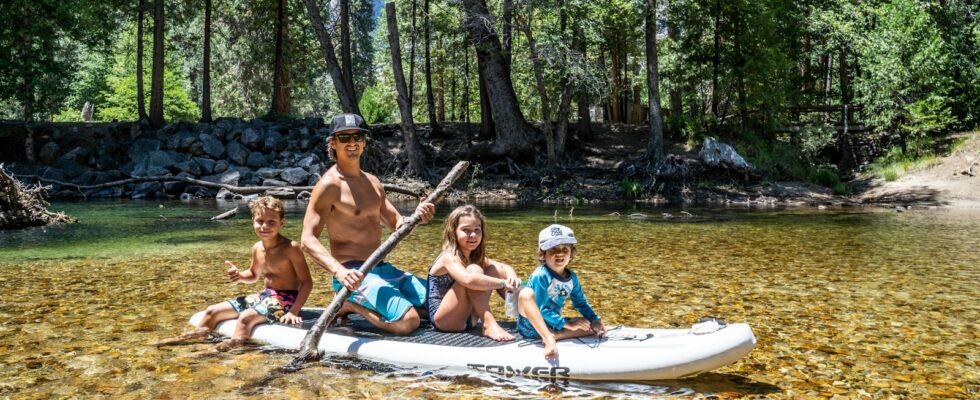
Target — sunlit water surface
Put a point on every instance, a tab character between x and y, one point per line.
859	303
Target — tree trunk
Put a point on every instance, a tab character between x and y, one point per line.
845	80
511	127
549	136
412	149
433	123
508	7
673	33
465	109
348	101
140	99
828	83
655	146
345	50
739	64
584	117
564	108
441	91
206	82
716	59
486	110
411	56
616	85
280	77
156	82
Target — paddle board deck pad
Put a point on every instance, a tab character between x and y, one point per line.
624	354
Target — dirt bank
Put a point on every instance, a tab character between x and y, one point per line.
951	180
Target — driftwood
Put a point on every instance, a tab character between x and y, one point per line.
22	207
207	184
225	215
308	350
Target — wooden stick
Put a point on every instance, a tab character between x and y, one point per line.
212	185
308	350
226	214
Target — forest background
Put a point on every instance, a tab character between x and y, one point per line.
776	78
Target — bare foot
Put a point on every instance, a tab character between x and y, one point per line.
550	348
226	345
495	332
195	334
345	310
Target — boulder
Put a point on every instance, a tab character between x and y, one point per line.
141	148
274	141
206	164
256	160
146	190
269	173
232	177
315	169
715	154
49	153
224	194
78	154
181	141
174	187
308	161
212	146
237	153
220	166
197	149
274	183
252	138
313	179
86	178
69	168
189	166
295	175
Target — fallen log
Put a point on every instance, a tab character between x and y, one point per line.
22	207
207	184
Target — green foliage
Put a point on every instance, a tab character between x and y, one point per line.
377	106
929	115
631	189
120	91
827	176
121	99
908	67
68	115
896	163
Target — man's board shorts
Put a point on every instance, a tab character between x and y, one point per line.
269	303
386	289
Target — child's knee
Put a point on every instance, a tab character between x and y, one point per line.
251	317
526	294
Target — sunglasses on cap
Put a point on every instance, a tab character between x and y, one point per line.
346	137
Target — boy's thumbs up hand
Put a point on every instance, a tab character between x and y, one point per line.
232	271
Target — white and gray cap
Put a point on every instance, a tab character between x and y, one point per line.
555	235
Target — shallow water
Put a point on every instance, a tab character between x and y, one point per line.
852	303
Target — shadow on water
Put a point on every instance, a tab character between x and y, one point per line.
496	385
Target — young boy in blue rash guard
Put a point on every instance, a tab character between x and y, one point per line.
541	302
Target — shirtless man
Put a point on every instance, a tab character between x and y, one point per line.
351	204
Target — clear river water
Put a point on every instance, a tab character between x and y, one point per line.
856	303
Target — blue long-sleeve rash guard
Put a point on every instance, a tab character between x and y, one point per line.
551	291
